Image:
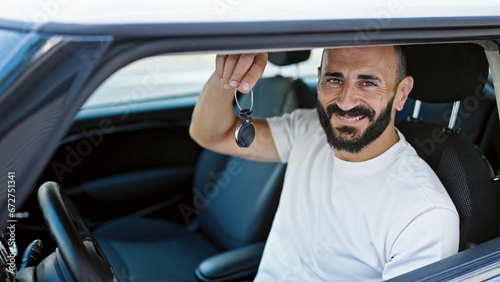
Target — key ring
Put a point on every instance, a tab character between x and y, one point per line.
245	132
251	99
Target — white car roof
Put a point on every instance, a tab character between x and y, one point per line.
183	11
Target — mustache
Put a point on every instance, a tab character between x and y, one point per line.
354	112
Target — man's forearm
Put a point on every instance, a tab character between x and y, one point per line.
213	116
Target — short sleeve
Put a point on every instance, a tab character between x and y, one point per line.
285	129
431	236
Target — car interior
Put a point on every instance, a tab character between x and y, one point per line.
455	159
161	206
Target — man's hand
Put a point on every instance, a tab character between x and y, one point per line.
213	123
240	71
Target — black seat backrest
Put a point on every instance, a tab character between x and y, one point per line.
489	143
237	198
472	118
446	73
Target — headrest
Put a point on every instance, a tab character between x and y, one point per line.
288	58
446	73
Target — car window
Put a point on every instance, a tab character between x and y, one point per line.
8	41
12	44
169	77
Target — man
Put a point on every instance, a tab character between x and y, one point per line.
356	205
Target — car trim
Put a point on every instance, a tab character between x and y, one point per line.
480	260
425	25
485	27
137	107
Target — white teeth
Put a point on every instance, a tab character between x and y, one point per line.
351	119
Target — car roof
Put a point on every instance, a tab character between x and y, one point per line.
195	11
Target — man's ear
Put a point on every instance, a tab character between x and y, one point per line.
404	89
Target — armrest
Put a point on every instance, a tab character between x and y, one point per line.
235	264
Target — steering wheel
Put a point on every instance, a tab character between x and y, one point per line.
77	246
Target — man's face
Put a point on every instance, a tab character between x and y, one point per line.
356	92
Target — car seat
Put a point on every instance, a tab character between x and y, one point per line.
447	73
489	142
234	200
472	117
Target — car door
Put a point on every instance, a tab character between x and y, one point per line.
128	151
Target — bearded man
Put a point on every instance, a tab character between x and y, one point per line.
357	205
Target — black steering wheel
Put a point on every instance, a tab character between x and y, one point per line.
77	246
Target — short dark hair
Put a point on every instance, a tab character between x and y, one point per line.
400	71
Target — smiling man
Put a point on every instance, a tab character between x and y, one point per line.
368	82
356	205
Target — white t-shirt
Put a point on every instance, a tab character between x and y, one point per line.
353	221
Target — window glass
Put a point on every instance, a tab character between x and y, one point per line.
16	51
170	76
9	40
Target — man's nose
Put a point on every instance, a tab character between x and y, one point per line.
349	98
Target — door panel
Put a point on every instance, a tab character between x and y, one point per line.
137	165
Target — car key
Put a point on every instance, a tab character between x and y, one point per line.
245	132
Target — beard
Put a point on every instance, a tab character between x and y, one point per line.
348	138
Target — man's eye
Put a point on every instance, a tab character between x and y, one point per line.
368	83
334	81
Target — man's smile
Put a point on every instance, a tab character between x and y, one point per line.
354	129
348	119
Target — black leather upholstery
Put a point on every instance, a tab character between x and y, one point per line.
232	265
230	219
146	249
455	159
235	199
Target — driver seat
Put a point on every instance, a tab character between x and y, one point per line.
234	200
455	76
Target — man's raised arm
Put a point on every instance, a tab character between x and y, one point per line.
214	123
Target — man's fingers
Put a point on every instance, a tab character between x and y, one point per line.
254	73
242	67
240	71
220	60
229	66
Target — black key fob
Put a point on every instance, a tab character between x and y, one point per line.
245	133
